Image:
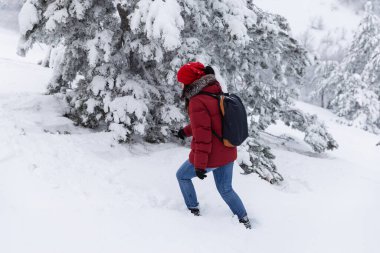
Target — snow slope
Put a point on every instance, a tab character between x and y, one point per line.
72	190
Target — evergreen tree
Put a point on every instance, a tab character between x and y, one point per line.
371	73
358	4
357	102
352	88
323	80
366	38
115	61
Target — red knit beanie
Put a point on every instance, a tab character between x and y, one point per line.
190	72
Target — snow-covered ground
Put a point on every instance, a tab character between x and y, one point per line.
72	190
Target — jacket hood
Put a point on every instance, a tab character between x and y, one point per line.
204	83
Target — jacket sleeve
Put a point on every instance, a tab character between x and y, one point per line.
187	130
200	121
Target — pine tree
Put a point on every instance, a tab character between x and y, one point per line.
366	38
371	73
116	63
352	88
357	102
358	4
349	96
323	80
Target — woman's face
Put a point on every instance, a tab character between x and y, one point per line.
182	85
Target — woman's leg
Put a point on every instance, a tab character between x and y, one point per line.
223	181
184	175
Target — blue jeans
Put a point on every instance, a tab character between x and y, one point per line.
223	180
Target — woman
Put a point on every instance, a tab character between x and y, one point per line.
208	153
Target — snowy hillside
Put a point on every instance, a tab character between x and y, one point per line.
72	190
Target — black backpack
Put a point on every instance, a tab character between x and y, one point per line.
234	119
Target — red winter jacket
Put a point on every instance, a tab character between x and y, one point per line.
207	151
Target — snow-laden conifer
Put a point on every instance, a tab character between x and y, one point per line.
351	89
116	62
366	38
356	102
322	81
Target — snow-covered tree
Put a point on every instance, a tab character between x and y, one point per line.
352	88
358	4
357	102
316	134
371	72
115	61
333	45
349	96
366	38
323	79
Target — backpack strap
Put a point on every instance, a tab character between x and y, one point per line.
216	135
218	95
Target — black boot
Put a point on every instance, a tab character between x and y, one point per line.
246	222
195	211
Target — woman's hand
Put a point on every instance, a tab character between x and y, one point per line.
201	174
181	134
